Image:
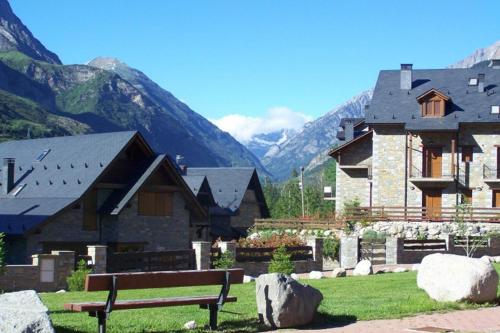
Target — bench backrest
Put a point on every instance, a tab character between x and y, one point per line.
146	280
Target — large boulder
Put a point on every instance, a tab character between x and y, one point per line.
453	278
23	312
283	302
364	267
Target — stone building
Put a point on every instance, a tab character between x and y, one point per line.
430	139
238	198
65	193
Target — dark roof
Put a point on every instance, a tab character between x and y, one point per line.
229	185
194	183
349	143
392	105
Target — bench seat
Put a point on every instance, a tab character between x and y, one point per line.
146	303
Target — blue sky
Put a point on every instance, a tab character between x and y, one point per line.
249	57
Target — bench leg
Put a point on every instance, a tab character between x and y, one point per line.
101	322
214	309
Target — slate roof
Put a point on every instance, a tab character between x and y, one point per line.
392	105
70	167
194	183
228	184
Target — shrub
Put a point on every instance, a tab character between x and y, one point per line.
225	261
272	240
2	252
331	247
76	281
372	235
281	262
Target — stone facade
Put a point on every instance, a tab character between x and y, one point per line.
354	184
248	211
155	233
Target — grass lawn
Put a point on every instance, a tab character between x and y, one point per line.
345	300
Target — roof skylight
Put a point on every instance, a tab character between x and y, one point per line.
473	81
42	155
495	109
18	189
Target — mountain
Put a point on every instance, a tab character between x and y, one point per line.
261	144
487	53
55	99
315	139
15	36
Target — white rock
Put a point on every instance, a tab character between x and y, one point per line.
315	275
449	278
364	267
327	233
497	259
400	270
248	279
487	259
338	272
415	267
60	291
23	312
294	276
190	325
283	302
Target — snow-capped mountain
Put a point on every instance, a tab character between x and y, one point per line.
262	144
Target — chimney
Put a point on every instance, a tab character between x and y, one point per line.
8	175
349	130
184	169
480	83
178	159
406	76
495	63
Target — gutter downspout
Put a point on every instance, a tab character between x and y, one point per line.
406	173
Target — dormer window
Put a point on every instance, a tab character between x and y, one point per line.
433	103
473	81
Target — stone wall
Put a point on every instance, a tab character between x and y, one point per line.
48	272
157	233
388	166
353	184
248	211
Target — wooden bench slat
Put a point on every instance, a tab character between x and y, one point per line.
102	282
146	303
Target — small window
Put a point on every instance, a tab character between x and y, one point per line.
473	82
495	109
467	154
155	203
90	211
42	155
466	196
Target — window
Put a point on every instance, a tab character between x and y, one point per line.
433	108
473	82
495	109
467	153
466	196
90	211
155	203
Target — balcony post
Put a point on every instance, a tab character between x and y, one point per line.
453	150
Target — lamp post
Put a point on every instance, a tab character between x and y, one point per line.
302	189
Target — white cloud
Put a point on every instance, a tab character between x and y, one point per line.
243	128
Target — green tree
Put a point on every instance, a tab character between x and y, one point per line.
281	262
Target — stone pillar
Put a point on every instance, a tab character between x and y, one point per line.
64	266
349	251
99	257
317	249
450	243
394	250
202	253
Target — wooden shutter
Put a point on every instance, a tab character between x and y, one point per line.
90	211
155	203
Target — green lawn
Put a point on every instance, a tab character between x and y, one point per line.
345	300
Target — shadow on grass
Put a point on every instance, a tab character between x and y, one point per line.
61	329
325	320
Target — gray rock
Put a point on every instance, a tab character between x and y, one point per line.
364	267
338	272
452	278
24	312
283	302
315	275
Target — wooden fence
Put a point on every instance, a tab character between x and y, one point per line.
150	261
299	224
424	245
249	254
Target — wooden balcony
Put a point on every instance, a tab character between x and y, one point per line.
423	214
357	167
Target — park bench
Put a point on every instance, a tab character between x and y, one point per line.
145	280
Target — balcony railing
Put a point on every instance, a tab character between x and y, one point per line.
423	214
416	172
491	172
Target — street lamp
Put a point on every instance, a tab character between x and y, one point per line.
302	189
